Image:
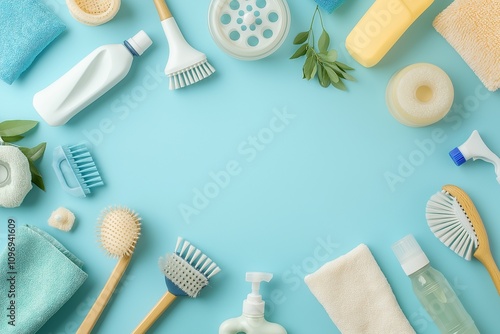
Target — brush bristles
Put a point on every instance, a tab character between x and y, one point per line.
118	230
190	75
450	224
188	268
83	166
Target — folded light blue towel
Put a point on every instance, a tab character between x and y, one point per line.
26	28
329	5
36	279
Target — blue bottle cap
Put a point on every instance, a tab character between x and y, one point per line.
457	156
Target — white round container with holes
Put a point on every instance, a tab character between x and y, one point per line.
249	29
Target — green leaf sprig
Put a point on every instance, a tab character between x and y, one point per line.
13	131
321	62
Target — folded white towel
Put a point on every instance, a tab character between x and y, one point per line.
356	295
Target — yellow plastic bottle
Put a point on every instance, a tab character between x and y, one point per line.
381	27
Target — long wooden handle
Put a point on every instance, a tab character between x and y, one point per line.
489	263
101	302
162	9
155	313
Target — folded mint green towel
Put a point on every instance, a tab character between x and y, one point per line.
26	28
36	279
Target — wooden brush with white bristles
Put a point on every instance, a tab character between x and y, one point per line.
118	229
187	272
185	65
453	218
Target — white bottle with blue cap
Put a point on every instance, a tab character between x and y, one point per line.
252	320
88	80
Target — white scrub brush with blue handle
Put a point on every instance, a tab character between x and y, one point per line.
187	272
185	65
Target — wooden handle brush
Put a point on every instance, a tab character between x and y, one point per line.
118	230
187	272
454	219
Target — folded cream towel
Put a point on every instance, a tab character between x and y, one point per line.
356	295
472	27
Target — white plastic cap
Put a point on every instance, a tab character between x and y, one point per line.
140	42
254	305
410	255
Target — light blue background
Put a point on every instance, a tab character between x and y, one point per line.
320	183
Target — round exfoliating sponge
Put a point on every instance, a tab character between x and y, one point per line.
419	95
93	12
15	176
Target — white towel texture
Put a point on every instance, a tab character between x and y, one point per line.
472	27
356	295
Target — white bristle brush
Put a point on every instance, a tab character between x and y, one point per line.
453	218
187	272
185	65
118	230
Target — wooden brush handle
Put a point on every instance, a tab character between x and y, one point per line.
155	313
162	9
101	302
483	252
484	255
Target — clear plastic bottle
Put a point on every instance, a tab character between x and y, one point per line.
433	290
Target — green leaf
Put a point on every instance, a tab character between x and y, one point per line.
308	67
344	66
332	75
36	177
339	85
300	52
16	128
12	139
323	78
324	41
34	153
301	38
329	58
334	67
314	70
347	76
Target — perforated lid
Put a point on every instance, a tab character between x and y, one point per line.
249	29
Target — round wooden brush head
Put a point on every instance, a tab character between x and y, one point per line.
118	229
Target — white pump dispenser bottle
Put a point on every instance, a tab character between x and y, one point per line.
252	320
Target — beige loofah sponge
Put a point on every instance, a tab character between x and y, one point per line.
62	219
472	27
93	12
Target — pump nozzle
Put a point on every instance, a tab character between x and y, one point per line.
475	148
254	305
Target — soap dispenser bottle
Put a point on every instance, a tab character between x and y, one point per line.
252	320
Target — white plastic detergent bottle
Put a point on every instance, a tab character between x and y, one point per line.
88	80
252	320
